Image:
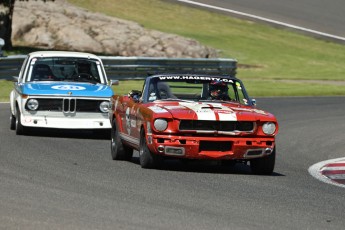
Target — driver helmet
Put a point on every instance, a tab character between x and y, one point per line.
218	89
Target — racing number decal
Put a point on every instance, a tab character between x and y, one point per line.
131	119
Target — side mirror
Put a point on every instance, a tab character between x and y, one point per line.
135	95
15	78
253	102
114	82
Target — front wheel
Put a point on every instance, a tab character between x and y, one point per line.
12	122
147	159
264	165
118	150
20	129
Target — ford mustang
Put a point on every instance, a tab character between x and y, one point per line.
60	89
191	116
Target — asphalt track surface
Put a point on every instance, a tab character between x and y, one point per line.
67	180
326	17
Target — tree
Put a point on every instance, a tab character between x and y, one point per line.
6	14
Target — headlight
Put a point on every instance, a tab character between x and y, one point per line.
160	124
32	104
104	106
269	128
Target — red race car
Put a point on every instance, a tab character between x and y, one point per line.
193	116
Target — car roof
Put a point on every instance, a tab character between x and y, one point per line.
63	54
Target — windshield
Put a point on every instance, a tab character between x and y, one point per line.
65	69
208	89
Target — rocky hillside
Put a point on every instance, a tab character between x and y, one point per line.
61	26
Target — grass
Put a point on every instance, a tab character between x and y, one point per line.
280	54
274	55
5	89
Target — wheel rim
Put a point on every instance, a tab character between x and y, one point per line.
113	145
113	136
141	150
17	120
142	144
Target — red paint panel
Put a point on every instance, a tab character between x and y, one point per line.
335	164
332	172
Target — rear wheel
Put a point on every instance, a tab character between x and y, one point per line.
118	150
264	165
146	158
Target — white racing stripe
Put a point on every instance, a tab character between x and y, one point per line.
211	111
202	111
226	114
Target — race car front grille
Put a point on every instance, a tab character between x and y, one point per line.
69	105
226	126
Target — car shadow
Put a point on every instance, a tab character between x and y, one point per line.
70	133
203	166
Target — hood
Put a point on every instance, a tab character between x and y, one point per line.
66	88
212	111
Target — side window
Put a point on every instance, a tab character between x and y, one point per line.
95	72
232	92
152	92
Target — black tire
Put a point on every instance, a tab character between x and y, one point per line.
264	165
118	150
12	122
146	158
20	129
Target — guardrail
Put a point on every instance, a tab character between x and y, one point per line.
124	68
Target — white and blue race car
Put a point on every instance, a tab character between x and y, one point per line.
60	89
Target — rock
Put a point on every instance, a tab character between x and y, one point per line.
61	26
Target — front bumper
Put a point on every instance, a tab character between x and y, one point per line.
222	148
56	120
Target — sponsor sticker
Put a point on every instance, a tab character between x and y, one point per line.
174	107
238	85
157	109
192	77
68	87
260	111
